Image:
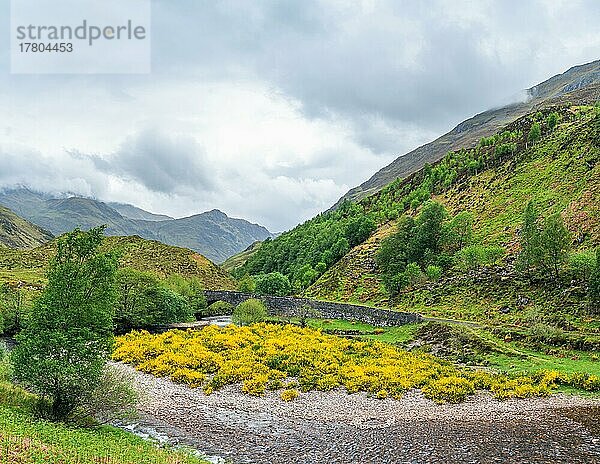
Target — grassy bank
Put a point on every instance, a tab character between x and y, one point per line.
26	439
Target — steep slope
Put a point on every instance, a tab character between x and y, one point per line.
27	266
561	172
16	232
469	132
239	259
212	234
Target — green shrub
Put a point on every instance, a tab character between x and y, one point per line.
413	274
470	258
433	272
144	301
218	308
114	398
191	289
274	283
247	284
582	264
493	254
249	312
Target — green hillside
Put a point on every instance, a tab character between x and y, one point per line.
27	266
317	244
238	260
493	182
561	172
16	232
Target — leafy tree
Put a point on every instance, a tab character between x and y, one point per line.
12	309
305	276
427	237
594	286
552	120
274	283
167	306
247	284
393	255
535	133
531	250
143	300
249	312
321	267
359	229
556	243
458	233
191	289
65	344
135	299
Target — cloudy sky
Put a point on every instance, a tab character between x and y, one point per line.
272	110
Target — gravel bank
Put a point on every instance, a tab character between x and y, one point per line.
335	427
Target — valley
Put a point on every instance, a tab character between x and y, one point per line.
447	309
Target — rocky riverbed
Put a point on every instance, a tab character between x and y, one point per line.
335	427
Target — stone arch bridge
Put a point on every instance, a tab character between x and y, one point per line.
290	306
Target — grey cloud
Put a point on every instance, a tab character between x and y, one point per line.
410	62
161	163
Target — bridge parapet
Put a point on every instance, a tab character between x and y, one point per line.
290	307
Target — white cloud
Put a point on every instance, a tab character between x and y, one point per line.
272	110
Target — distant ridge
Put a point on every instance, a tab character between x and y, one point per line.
212	234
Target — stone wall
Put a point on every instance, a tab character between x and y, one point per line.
289	306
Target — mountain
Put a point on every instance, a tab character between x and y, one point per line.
213	234
16	232
27	266
469	132
133	212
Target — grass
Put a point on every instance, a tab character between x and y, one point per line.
26	439
401	334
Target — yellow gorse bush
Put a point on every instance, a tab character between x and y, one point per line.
261	357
